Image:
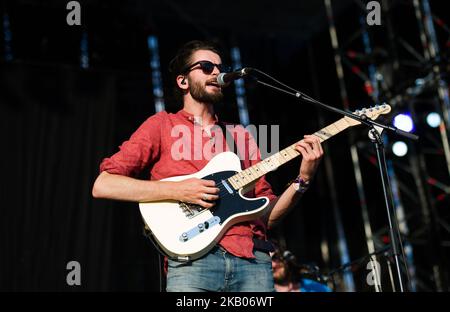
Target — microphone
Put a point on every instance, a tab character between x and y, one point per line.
223	79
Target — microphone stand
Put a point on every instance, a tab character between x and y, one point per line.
375	131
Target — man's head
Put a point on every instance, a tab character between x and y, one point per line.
284	267
195	69
280	270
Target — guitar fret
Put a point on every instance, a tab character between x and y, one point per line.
254	173
292	152
237	180
268	164
340	125
258	170
323	135
285	155
336	127
250	173
330	130
231	182
244	178
277	160
262	166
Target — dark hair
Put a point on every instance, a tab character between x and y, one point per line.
289	262
179	64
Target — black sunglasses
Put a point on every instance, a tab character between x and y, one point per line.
207	67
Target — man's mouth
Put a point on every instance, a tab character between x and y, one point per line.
213	83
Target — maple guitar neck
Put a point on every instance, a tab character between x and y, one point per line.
253	173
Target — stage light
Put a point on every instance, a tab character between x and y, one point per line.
239	88
155	65
7	39
404	122
84	49
433	120
420	82
399	148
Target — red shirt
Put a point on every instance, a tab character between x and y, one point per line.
151	148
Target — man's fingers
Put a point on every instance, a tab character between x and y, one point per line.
302	151
306	146
209	194
205	204
315	143
208	182
211	190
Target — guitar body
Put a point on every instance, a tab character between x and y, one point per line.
187	232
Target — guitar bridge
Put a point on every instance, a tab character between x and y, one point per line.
191	210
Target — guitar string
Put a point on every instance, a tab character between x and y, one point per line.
224	191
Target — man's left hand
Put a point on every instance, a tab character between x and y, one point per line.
312	153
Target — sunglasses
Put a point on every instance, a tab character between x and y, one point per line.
208	67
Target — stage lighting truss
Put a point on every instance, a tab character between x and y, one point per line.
420	183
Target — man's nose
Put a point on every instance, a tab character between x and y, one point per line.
215	71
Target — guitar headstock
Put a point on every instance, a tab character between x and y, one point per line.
371	112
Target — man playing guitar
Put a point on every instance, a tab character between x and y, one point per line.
239	261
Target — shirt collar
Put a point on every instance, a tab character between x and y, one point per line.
195	119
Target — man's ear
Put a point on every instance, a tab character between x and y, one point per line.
182	82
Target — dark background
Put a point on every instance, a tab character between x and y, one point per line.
58	121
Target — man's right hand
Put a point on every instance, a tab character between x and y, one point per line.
197	191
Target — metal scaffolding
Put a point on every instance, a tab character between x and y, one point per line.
378	66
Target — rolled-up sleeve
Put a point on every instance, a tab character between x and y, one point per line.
139	151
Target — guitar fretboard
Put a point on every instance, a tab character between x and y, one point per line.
253	173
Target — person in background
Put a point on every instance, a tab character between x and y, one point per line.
290	276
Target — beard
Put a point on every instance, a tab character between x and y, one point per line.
199	93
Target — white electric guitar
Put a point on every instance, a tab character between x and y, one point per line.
187	231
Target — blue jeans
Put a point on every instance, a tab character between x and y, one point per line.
221	271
